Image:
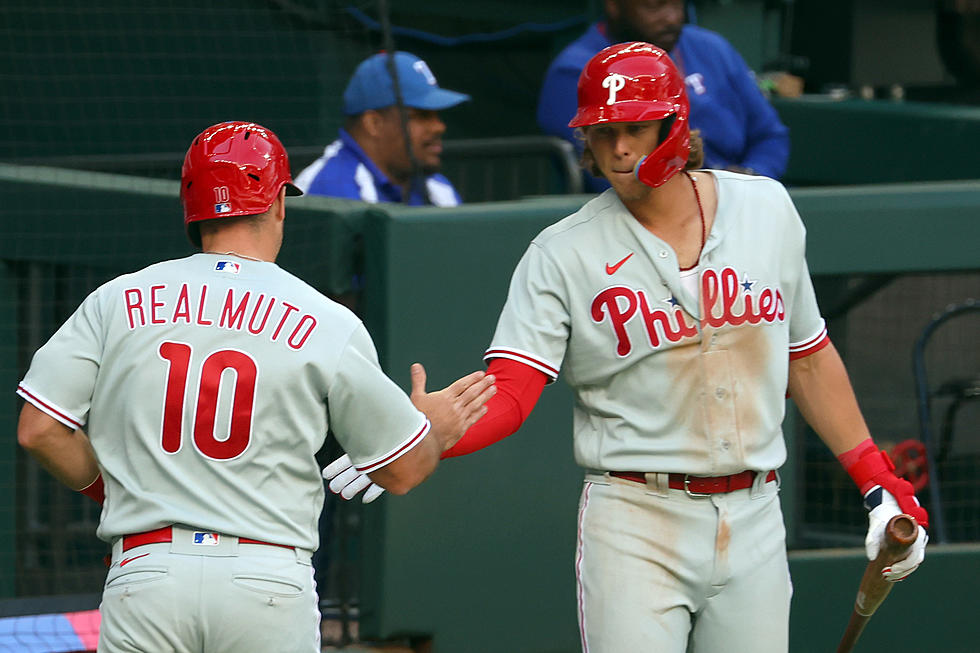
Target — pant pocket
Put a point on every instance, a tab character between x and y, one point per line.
130	576
271	576
268	585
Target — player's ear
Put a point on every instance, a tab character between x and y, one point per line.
372	122
281	204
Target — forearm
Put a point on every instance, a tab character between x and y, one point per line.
66	454
518	388
411	468
819	386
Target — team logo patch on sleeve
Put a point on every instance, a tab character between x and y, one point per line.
227	266
206	539
222	207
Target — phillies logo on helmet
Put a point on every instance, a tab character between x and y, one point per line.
615	83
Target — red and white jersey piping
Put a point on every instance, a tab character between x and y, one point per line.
49	407
810	345
397	452
525	357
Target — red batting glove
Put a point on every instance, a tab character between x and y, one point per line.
871	468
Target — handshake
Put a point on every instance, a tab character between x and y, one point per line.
450	412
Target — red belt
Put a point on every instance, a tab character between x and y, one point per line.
702	486
165	535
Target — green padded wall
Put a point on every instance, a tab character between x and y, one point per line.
879	141
482	553
931	611
112	224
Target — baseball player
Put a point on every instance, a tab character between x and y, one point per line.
205	386
679	308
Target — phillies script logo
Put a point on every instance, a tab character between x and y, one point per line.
725	300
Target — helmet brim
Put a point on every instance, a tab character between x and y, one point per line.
628	111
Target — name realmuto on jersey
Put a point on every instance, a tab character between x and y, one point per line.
724	301
255	313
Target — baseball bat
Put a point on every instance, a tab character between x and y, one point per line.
900	532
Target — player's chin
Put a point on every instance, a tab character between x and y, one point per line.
667	40
627	186
430	165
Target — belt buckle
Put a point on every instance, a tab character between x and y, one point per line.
688	492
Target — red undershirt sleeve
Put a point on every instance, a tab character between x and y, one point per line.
518	388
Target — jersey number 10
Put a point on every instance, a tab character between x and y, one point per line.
178	355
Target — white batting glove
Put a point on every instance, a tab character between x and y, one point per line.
346	481
886	508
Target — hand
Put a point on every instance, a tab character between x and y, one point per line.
454	409
346	481
877	520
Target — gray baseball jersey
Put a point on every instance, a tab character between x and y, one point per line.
667	379
206	386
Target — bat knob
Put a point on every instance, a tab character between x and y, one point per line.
901	530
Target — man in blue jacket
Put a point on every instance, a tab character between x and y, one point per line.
740	129
369	161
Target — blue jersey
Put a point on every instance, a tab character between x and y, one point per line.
345	170
737	123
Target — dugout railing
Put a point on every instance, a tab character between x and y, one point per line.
482	169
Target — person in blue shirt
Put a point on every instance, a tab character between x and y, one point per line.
740	129
369	161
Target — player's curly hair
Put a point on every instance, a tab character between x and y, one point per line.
695	159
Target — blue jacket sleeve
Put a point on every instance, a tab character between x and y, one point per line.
766	137
558	100
557	104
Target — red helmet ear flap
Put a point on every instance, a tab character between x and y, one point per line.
669	157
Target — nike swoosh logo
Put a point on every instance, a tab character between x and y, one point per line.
129	560
611	269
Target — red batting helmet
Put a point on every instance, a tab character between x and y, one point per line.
634	82
232	168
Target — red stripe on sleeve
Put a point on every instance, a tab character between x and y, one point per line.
521	358
817	345
367	469
48	408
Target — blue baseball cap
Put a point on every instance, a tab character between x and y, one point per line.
370	86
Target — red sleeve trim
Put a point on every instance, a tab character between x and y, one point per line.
522	357
811	346
518	388
373	466
48	408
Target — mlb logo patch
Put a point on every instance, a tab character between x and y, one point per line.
223	207
206	539
227	266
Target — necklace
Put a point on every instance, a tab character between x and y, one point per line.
704	229
250	258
